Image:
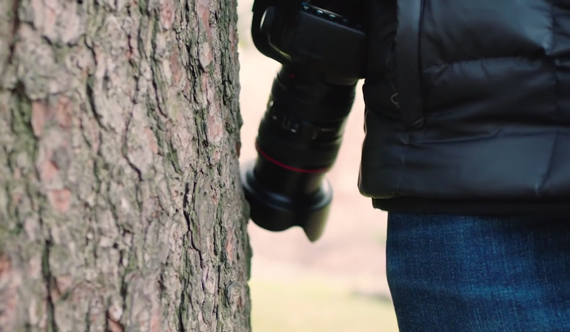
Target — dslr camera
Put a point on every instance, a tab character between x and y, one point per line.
321	46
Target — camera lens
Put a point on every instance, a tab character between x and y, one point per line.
298	141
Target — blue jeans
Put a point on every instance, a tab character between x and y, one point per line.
478	273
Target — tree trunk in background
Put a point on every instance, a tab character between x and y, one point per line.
120	200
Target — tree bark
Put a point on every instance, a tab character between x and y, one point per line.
120	199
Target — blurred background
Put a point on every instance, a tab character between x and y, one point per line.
337	284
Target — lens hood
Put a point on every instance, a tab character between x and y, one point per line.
277	212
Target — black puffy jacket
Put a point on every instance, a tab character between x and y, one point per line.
468	106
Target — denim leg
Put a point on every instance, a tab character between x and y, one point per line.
479	274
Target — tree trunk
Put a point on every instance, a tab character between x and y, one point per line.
120	200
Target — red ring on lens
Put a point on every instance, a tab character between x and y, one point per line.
298	170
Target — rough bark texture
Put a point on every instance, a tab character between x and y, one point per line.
120	201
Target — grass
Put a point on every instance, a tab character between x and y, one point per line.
315	306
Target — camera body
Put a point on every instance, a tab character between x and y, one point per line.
302	34
322	54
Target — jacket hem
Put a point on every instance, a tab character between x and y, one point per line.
418	205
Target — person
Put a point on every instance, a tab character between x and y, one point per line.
468	149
